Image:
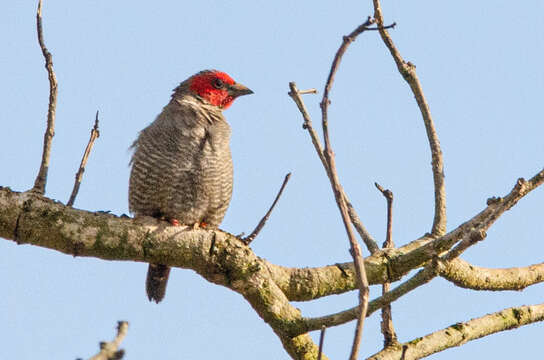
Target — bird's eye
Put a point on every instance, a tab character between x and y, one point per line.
218	83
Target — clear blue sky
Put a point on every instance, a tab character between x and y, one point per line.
480	64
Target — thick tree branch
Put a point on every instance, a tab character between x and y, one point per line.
420	278
460	333
30	218
41	179
299	284
469	276
408	72
304	284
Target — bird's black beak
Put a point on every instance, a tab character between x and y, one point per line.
237	89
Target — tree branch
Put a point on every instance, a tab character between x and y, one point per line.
299	284
362	282
247	240
388	330
460	333
482	221
30	218
367	238
408	72
41	178
388	195
321	340
468	233
312	283
422	277
95	134
469	276
304	284
108	350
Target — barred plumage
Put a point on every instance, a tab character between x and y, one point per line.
182	166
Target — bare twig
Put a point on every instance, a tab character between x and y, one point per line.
470	239
108	350
307	125
307	91
408	72
358	224
321	339
79	175
388	330
460	333
388	194
247	240
355	249
41	178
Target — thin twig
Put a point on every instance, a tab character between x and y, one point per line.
108	350
388	330
79	175
307	125
358	224
362	282
388	194
41	178
391	26
321	339
247	240
408	72
307	91
470	239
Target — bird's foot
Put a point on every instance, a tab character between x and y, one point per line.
199	225
174	222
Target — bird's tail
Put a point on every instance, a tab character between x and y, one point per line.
157	278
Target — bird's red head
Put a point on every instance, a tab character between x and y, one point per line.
217	88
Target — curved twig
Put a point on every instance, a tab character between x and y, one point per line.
408	72
362	282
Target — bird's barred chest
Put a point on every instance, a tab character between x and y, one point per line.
186	173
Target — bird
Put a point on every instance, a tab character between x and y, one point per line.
181	167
